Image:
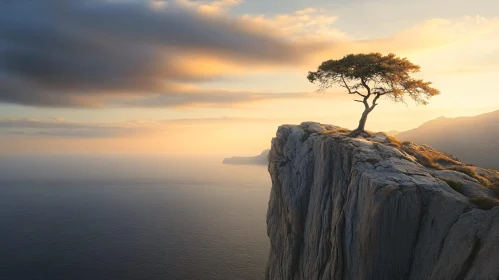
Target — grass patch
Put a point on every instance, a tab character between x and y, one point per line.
392	141
485	202
471	171
455	185
425	156
427	161
468	170
341	131
492	171
431	158
495	188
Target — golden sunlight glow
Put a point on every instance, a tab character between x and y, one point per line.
459	55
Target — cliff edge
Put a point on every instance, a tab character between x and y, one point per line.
375	208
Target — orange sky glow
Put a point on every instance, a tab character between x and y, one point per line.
213	100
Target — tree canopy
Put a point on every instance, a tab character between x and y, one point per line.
374	75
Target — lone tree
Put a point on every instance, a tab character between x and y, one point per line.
373	75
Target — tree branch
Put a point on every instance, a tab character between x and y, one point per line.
348	88
366	86
364	101
381	91
374	102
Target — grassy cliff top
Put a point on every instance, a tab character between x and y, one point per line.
460	176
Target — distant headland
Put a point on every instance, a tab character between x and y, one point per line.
260	159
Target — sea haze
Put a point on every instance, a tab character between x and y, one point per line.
102	217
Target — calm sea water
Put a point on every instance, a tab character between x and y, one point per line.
94	217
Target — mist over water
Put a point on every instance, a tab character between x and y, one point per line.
101	217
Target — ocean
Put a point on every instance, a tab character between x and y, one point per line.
123	217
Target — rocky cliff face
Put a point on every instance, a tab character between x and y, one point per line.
355	208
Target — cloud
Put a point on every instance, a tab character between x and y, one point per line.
307	24
433	34
208	98
92	53
60	128
158	4
77	53
65	129
209	7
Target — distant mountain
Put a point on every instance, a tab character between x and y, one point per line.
470	139
260	159
393	132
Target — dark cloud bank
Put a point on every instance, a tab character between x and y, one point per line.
85	53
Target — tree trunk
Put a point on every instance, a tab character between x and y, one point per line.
362	122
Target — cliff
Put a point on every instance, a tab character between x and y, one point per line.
375	208
260	159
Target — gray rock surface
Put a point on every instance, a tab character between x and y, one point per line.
351	208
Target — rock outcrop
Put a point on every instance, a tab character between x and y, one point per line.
356	208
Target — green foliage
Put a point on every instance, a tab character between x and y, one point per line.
457	186
375	74
485	202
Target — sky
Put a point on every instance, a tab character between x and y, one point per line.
217	77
